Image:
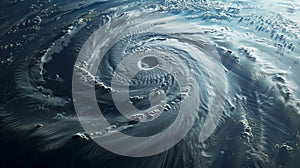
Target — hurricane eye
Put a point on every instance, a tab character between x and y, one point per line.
148	62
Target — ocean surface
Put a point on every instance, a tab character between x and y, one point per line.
234	62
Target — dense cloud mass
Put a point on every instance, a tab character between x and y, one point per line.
101	83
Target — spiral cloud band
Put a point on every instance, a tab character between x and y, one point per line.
156	57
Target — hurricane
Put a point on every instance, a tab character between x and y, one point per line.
149	83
